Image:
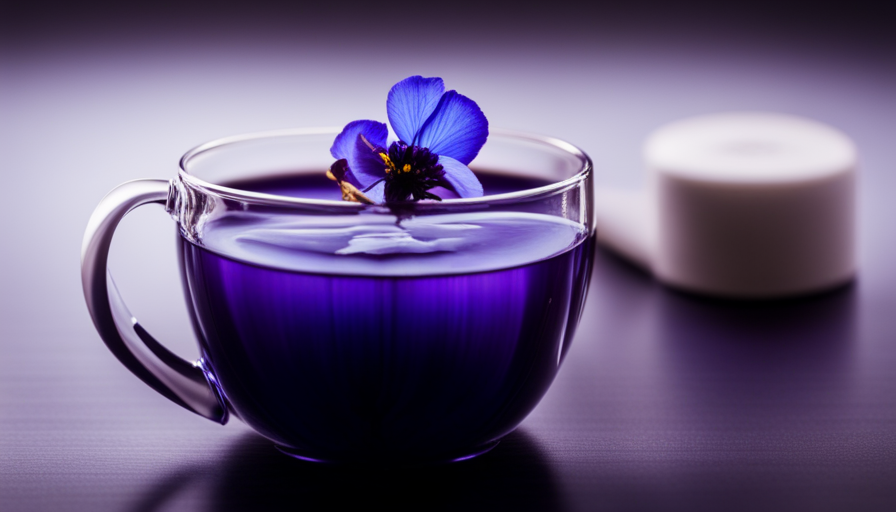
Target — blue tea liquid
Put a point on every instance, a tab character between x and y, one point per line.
367	340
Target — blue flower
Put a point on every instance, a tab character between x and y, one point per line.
439	133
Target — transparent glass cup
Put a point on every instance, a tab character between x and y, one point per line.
343	332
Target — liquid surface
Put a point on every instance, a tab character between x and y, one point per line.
375	245
379	245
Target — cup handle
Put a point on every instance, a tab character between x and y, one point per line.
182	382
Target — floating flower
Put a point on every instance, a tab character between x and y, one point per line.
439	133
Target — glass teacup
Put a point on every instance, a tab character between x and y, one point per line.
412	332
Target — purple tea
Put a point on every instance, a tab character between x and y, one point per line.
370	339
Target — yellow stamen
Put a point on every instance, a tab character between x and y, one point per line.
406	168
388	161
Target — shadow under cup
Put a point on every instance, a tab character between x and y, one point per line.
419	332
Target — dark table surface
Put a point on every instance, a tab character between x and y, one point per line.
666	401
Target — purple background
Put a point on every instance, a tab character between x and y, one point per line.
665	401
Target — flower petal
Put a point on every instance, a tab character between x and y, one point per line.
460	177
377	193
457	128
410	103
368	166
346	142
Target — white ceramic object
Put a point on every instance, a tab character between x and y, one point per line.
746	205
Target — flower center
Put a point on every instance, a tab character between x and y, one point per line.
411	171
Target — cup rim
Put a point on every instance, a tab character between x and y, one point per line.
585	170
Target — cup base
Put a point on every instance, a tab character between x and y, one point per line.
449	458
